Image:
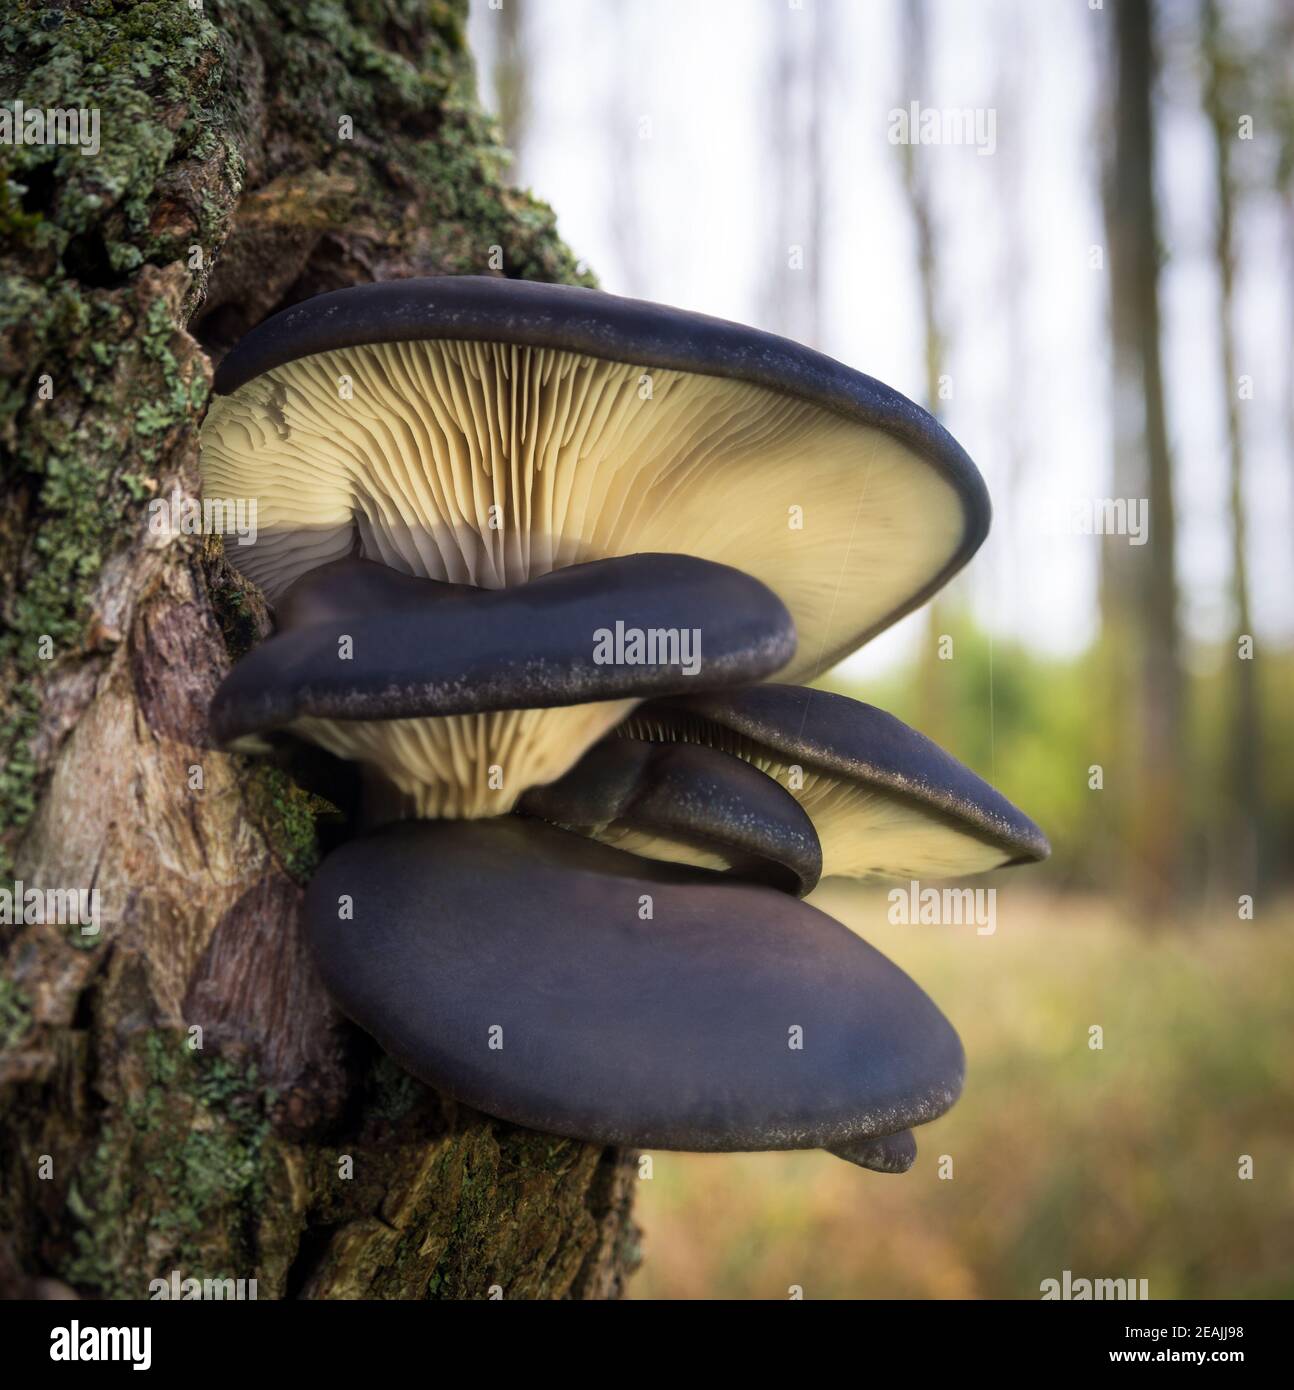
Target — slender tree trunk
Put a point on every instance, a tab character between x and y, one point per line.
176	1093
917	188
916	185
779	300
1015	38
1242	774
826	35
796	160
510	72
1139	585
628	139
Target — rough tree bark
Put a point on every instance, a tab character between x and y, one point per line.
254	152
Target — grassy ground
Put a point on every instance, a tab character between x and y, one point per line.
1121	1162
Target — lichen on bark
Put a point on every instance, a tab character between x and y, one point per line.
253	152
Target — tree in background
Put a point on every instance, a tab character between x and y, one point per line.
1244	781
1281	95
931	712
1014	266
510	78
628	129
916	187
1144	699
800	81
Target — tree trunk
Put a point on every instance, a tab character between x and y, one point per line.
1243	772
933	693
511	74
1139	584
176	1093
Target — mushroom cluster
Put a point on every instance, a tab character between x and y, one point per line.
534	553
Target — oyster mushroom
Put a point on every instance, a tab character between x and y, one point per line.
466	479
885	800
584	991
486	431
364	654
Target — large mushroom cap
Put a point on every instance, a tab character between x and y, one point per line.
365	654
485	431
885	800
685	804
567	986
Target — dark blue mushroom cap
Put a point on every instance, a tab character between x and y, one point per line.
575	989
376	645
686	804
886	801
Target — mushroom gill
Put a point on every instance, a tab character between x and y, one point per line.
491	464
482	431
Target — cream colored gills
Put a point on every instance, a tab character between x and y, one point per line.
647	845
865	832
468	765
864	835
490	464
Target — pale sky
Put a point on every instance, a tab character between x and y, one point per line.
649	134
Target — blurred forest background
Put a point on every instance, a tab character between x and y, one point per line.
1097	297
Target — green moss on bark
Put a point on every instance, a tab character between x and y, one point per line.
286	814
252	154
15	1014
179	1158
178	122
